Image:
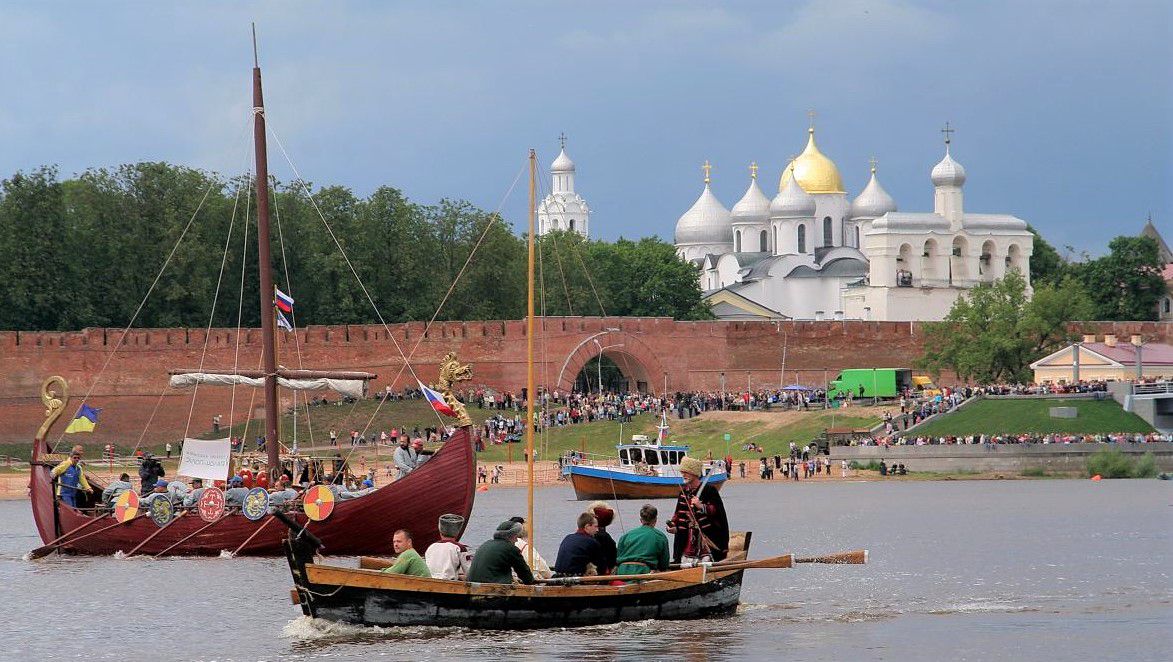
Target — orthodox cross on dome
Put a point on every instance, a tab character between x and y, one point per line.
562	140
948	137
873	162
708	168
753	169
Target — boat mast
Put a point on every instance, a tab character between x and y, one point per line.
268	338
529	358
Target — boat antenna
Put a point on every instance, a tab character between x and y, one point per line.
529	357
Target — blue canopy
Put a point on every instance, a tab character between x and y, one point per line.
796	387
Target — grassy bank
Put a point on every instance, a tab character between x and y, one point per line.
773	431
992	417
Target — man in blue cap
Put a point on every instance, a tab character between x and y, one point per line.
236	492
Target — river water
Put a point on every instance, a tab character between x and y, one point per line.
963	570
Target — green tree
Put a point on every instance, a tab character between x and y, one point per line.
1126	283
994	332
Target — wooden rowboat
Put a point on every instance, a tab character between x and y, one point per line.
366	596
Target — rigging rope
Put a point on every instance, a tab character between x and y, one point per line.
349	264
240	304
292	315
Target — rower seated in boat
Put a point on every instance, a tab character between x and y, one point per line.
160	492
580	554
115	489
236	492
604	515
197	491
283	493
448	558
540	568
497	559
408	561
643	549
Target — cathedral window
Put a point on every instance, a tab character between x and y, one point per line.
775	229
737	241
572	224
802	238
764	242
828	235
857	245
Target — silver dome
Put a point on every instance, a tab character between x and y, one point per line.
873	201
948	172
706	222
792	202
754	206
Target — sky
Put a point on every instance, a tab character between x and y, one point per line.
1062	110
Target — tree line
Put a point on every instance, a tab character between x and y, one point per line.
83	252
996	330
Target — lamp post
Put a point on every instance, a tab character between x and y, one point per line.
599	365
722	391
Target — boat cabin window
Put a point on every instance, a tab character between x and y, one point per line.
652	457
637	456
623	457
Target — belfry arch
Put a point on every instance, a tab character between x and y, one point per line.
641	370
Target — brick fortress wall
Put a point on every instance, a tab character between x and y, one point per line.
659	352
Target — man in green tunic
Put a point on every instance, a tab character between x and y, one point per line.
409	562
645	548
498	559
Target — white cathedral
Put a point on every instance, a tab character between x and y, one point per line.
563	209
811	254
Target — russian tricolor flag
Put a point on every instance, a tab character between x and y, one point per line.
436	400
283	301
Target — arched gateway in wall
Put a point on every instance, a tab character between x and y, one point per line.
634	358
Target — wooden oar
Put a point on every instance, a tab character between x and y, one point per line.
697	574
91	533
254	535
152	536
192	534
51	546
687	575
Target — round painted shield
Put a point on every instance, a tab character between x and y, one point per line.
161	511
319	503
256	503
211	504
126	506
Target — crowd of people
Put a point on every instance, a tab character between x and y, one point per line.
698	524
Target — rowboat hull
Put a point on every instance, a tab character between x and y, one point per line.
357	526
371	598
601	483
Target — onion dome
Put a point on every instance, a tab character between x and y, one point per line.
706	222
792	201
815	172
948	172
754	206
873	201
562	163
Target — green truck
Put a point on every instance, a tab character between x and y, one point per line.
870	383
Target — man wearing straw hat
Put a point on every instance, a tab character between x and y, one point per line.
448	558
699	522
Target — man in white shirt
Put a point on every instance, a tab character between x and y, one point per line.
449	558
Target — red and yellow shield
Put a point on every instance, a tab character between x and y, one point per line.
319	503
126	506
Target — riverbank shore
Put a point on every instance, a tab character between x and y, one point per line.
14	482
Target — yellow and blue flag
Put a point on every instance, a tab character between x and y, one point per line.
85	421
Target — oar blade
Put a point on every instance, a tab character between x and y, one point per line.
854	557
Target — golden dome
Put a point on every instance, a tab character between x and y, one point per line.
815	172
